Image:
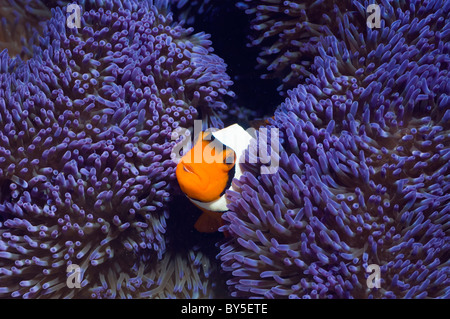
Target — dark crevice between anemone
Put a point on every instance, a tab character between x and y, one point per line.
5	191
22	23
5	197
230	43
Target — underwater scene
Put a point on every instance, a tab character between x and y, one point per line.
220	149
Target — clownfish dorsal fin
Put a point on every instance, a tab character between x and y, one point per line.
236	138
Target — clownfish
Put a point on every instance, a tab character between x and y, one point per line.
206	172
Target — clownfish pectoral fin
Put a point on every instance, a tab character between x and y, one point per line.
209	222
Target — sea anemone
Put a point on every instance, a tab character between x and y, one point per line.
363	172
85	142
288	33
190	10
177	275
21	23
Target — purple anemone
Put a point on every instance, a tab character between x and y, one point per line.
188	10
177	275
85	142
288	33
21	22
363	174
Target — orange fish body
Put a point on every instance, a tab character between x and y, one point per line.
207	170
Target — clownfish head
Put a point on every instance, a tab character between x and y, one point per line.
205	172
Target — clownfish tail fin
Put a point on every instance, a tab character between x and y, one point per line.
208	222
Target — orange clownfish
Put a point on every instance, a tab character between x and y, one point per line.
207	170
